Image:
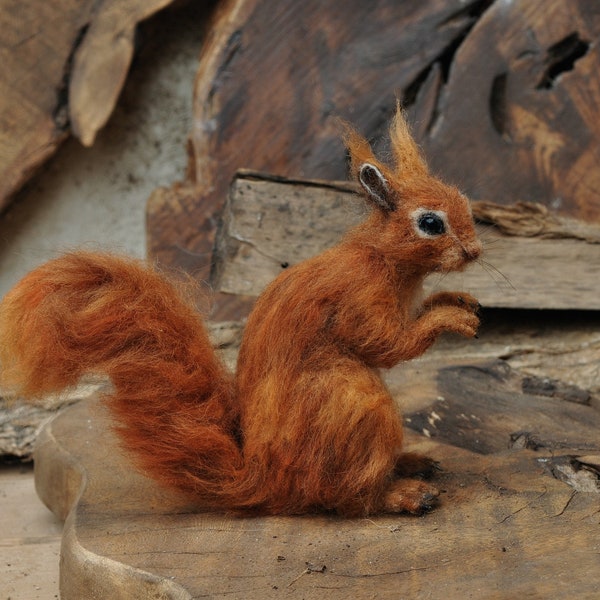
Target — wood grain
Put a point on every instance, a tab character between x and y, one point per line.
270	224
37	40
529	126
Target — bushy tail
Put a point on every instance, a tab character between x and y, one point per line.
172	399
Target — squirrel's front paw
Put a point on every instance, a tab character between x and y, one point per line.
469	302
458	299
465	322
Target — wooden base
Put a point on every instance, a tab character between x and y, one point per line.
505	528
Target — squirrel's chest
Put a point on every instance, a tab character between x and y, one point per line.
415	306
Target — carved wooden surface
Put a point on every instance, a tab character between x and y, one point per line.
270	224
504	98
63	65
512	522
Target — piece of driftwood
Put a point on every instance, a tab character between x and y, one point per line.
503	97
63	66
271	223
512	523
101	62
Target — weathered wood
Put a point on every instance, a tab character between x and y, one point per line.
273	76
124	538
37	40
272	80
20	423
63	63
527	219
519	116
270	224
488	408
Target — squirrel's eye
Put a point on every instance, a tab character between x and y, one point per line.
431	224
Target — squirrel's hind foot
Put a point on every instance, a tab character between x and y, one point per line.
410	495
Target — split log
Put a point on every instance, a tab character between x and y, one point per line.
271	223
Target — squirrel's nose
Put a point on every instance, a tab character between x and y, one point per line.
473	250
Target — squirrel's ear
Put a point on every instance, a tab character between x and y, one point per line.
363	167
409	159
377	188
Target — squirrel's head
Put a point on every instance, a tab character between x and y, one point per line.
416	218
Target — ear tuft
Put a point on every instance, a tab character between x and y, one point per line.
376	186
409	159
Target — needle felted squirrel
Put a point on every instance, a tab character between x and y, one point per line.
306	423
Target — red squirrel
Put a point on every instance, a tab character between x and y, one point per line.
306	424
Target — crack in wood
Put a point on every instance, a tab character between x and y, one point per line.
465	19
522	508
561	57
60	114
232	48
497	102
566	505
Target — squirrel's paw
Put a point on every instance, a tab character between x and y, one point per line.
464	322
412	464
410	495
459	299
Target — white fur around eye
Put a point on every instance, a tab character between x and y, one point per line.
420	212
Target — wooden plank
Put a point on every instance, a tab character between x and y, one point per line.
269	224
64	63
527	130
125	538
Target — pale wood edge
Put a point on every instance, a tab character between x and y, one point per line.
60	482
517	271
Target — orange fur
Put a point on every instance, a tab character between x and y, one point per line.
307	423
